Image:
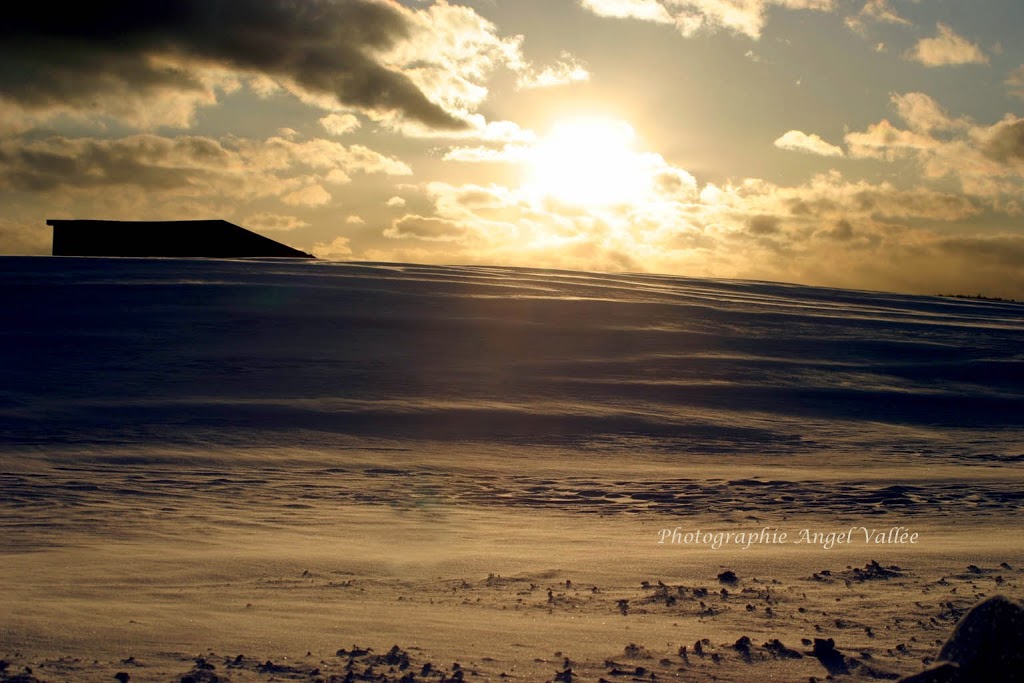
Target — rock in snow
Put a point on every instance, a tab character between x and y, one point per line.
986	645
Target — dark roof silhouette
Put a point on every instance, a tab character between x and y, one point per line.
209	239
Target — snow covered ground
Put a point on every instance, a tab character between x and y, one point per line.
495	467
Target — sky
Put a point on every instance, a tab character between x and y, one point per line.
867	144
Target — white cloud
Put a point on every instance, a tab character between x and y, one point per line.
507	154
946	49
883	140
876	11
644	10
567	70
799	141
478	129
988	160
450	53
395	202
328	155
924	114
746	17
339	124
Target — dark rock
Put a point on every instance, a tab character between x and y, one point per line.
874	571
270	667
742	646
831	658
728	577
987	644
943	673
777	649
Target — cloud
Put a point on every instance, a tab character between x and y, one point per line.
842	231
160	103
987	160
147	161
829	231
195	167
274	222
395	202
426	228
799	141
479	154
763	225
644	10
98	55
745	17
1004	142
567	70
449	53
479	130
1004	249
25	237
337	249
882	140
1015	82
874	11
310	195
339	124
946	49
924	114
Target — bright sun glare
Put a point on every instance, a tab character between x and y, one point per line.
588	162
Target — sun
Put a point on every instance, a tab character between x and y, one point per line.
589	162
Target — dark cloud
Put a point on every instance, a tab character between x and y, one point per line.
52	55
890	202
1006	142
996	250
763	225
843	231
811	207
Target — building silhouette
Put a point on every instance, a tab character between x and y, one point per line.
176	239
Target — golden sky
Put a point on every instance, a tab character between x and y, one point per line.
872	144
